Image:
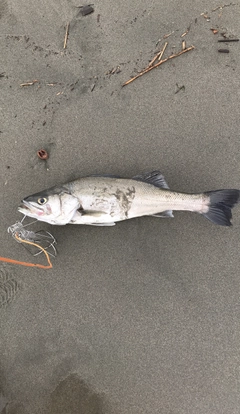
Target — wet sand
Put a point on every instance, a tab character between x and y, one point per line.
142	317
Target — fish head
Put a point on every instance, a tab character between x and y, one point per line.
54	206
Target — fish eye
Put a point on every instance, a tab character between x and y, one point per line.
42	200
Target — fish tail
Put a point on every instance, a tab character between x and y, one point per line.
221	203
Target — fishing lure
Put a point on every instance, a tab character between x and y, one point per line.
42	240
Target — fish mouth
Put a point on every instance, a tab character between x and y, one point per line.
27	207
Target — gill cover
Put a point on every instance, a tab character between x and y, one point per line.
55	206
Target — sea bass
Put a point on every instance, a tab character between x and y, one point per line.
105	200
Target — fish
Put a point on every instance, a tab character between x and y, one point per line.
105	200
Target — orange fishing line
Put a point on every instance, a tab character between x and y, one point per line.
49	266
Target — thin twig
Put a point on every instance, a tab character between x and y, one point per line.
158	55
167	35
184	34
154	59
228	40
29	83
164	37
224	5
66	36
163	50
158	64
187	31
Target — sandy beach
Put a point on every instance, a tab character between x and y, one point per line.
142	317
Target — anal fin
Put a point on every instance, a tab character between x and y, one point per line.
164	214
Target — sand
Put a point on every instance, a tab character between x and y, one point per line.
142	317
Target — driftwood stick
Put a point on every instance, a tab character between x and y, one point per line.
158	64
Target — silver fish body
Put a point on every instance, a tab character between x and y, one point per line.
106	200
117	199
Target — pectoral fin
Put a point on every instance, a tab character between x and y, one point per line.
91	217
91	213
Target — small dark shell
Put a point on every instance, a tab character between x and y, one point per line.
42	154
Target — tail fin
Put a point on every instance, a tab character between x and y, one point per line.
220	205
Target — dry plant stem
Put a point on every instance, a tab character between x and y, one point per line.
228	40
158	64
163	50
154	59
29	83
224	5
66	36
158	55
167	35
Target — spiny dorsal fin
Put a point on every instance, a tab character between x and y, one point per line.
154	177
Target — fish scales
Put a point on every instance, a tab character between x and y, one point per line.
130	198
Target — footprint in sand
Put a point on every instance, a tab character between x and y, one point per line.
9	286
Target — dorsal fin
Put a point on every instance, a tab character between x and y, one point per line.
105	175
154	177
